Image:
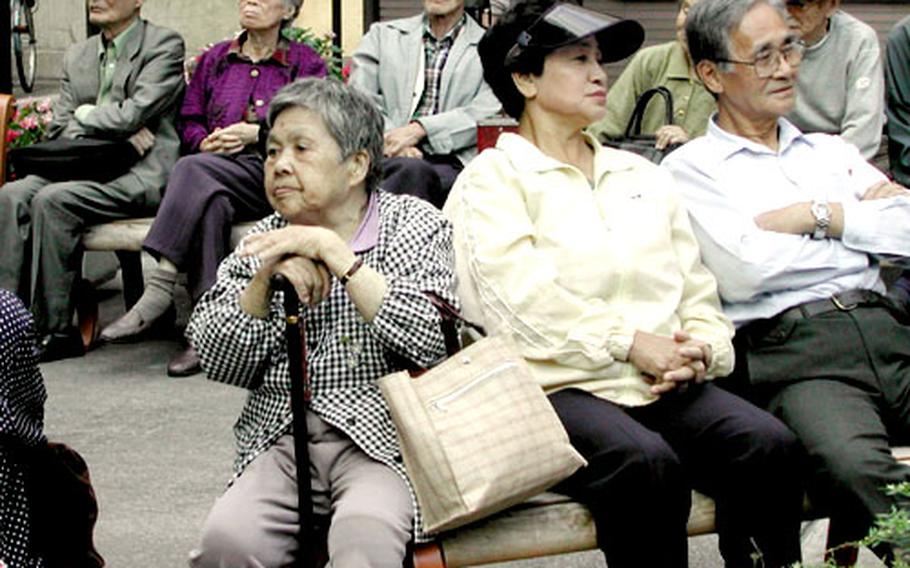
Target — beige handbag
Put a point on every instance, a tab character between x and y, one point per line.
477	434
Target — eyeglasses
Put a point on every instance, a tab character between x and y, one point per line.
768	62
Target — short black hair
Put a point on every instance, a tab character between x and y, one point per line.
497	42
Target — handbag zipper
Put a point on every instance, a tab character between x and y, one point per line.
441	402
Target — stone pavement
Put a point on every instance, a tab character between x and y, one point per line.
160	449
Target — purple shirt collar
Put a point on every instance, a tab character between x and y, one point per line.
280	55
367	234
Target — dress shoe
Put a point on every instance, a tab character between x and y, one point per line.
184	364
60	345
132	327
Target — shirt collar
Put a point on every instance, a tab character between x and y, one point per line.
726	144
528	157
280	55
367	234
678	65
119	41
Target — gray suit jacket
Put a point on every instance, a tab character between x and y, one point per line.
389	66
146	91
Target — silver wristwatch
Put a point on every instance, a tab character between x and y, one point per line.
822	214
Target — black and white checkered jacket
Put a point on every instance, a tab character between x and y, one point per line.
345	354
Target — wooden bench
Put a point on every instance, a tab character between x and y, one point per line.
551	524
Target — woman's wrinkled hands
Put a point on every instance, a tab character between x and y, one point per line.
311	279
300	253
670	362
307	241
230	139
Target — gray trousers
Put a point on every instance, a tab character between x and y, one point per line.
255	523
41	225
841	382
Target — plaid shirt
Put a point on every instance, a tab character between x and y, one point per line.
436	52
345	353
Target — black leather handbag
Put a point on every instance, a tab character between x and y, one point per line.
643	144
74	159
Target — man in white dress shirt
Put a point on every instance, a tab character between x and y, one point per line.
794	225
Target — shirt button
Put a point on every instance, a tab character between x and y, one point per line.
259	102
351	421
254	73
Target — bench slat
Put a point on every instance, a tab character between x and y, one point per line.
128	234
546	525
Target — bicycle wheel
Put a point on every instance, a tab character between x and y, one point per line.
25	46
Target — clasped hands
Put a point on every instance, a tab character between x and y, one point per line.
303	254
402	142
670	362
230	139
142	140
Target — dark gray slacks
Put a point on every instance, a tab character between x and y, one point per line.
841	382
41	226
643	463
429	178
206	193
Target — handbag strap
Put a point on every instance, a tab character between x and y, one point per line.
634	126
449	319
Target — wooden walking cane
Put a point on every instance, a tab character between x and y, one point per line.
295	334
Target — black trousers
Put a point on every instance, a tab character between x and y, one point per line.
841	381
643	463
429	178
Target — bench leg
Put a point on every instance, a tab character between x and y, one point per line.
428	555
131	273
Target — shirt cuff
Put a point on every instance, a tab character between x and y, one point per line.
82	112
619	344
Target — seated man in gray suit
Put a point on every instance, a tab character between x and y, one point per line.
425	76
793	226
124	83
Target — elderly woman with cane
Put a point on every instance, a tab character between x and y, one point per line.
362	263
585	255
